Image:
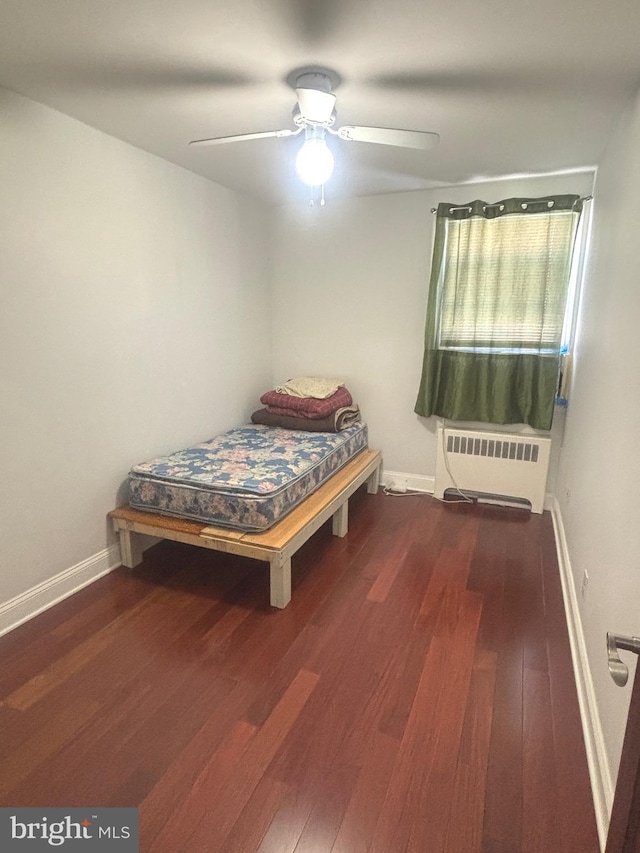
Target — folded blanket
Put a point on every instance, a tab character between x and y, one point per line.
307	407
335	422
310	386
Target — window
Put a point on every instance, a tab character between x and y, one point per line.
497	319
504	285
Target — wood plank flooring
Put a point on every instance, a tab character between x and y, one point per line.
416	696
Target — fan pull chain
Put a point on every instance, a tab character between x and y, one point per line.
322	198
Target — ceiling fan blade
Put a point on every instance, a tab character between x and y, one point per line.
315	105
243	137
389	136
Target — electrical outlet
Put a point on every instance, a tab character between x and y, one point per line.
585	585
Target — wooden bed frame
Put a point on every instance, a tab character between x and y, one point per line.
276	545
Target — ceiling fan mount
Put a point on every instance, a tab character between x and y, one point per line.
316	101
313	77
319	80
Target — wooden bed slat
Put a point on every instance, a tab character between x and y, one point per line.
276	545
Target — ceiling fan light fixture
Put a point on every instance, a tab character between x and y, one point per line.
314	162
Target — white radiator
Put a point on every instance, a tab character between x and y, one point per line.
493	464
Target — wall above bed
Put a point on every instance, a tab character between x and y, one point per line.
135	321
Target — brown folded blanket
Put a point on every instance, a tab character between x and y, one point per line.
335	422
307	407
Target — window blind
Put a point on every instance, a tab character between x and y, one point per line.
504	281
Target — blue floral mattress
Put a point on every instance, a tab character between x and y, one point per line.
247	478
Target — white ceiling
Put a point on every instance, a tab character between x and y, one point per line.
511	86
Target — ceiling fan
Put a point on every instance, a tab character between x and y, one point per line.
315	115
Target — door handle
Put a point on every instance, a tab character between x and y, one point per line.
618	669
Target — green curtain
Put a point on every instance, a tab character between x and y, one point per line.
495	312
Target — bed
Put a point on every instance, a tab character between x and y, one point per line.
256	491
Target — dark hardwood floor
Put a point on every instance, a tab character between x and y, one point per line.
416	695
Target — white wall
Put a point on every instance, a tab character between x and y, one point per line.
600	461
350	284
134	320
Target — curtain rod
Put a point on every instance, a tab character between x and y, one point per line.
582	198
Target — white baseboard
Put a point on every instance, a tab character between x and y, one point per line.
599	771
28	604
412	482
